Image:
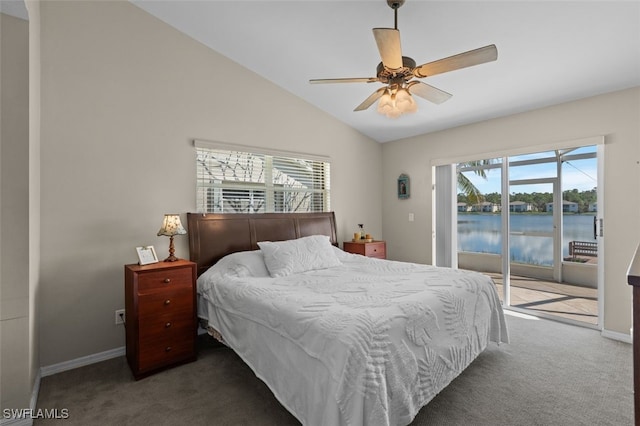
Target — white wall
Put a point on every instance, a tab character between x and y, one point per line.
123	96
122	103
15	335
33	8
613	115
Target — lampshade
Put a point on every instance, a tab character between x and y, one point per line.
394	103
171	226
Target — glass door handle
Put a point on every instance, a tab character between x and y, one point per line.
601	227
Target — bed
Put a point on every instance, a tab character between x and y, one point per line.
340	339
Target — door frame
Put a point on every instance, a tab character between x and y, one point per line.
556	233
598	141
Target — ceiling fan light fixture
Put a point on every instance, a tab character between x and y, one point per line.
399	73
405	102
395	103
385	104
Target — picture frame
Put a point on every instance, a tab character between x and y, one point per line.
146	255
403	187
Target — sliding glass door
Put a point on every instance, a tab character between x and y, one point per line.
522	219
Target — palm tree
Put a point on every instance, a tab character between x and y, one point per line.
474	196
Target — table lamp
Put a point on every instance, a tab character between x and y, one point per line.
171	226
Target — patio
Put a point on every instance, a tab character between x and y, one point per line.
551	298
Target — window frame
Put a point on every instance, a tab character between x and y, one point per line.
270	184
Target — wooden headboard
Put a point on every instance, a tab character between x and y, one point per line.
215	235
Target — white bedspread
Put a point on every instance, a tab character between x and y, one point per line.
366	343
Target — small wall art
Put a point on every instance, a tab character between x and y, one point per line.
403	187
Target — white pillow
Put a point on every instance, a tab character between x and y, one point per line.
293	256
240	264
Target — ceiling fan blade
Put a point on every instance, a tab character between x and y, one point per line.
461	60
371	99
428	92
343	80
388	41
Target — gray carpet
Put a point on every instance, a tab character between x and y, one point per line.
550	374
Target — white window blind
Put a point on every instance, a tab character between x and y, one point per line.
240	181
445	212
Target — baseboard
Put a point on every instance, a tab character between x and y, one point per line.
26	421
16	422
50	370
36	391
614	335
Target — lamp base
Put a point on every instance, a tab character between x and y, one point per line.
172	250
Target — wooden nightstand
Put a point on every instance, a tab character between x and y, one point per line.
377	249
160	317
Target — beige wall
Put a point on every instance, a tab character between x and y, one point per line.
33	8
121	105
615	116
15	335
123	96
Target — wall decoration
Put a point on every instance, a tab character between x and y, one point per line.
403	186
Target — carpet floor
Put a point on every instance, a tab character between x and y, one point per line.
550	374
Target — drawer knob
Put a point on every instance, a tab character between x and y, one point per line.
167	280
168	301
167	349
167	325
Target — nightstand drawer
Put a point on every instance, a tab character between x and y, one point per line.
165	302
377	249
170	278
163	352
177	325
167	332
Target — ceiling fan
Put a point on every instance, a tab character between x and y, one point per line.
398	72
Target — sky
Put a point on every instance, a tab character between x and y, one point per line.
578	174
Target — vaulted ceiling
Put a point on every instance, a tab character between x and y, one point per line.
549	52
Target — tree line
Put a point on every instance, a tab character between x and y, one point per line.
538	200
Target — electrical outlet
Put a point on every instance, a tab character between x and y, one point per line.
120	316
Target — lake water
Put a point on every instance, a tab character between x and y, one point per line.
481	233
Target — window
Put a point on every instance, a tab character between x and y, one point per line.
232	180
